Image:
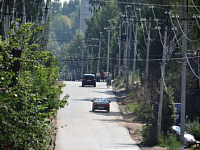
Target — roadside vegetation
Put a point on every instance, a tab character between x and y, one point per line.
29	95
132	103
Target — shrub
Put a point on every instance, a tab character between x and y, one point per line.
194	129
170	141
29	96
149	135
119	83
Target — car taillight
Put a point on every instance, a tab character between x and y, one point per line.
83	79
107	104
94	104
94	79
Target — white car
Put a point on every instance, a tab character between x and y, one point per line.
189	139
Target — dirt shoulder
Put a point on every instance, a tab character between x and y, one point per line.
127	120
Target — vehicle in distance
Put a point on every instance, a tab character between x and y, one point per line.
101	104
188	138
89	79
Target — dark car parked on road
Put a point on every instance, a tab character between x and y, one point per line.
101	104
89	79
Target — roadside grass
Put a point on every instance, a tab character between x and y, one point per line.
132	107
170	141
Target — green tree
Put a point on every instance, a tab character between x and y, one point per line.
73	53
29	96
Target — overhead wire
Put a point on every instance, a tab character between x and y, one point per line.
184	32
157	23
174	30
191	67
195	6
196	62
145	4
140	15
196	21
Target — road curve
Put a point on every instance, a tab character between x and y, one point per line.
81	129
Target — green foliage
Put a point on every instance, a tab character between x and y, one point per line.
73	51
170	141
96	24
194	129
119	82
149	134
168	112
28	97
132	107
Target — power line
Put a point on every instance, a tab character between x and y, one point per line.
146	4
191	67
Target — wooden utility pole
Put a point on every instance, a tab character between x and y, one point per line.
183	75
147	59
162	83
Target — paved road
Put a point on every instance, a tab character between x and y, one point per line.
81	129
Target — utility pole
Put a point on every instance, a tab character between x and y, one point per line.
7	20
129	52
87	70
126	43
81	61
46	22
108	52
119	42
91	61
108	49
135	53
147	59
99	53
23	17
198	60
162	83
183	75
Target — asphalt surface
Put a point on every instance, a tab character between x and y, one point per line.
81	129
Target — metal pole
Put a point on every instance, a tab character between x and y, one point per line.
162	83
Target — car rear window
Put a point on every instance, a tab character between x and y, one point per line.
89	77
101	99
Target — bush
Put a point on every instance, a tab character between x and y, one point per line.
170	141
29	96
194	129
149	135
119	83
